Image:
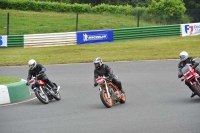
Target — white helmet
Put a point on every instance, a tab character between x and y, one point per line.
183	55
98	62
32	64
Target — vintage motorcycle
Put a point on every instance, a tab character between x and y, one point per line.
109	93
192	77
43	91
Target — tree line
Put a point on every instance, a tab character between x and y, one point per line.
189	4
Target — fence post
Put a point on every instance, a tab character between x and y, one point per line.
8	19
138	18
76	21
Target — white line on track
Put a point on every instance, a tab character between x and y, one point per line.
17	102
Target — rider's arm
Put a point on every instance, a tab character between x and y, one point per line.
95	76
179	73
42	68
195	63
109	71
29	76
179	70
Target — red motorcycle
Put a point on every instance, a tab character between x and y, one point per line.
43	91
192	77
109	93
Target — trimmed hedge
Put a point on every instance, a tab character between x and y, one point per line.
28	5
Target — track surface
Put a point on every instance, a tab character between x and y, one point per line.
157	102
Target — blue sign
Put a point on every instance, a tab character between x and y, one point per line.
94	36
1	41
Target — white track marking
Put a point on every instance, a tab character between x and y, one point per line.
17	102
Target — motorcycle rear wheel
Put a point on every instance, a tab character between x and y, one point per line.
43	98
105	100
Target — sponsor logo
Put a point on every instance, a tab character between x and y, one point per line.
87	37
192	29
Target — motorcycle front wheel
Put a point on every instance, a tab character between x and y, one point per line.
196	89
42	97
105	100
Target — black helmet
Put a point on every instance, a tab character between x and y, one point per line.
98	62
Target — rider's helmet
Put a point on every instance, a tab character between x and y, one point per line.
32	64
183	55
98	62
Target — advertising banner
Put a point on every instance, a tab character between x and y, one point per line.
3	41
100	36
191	29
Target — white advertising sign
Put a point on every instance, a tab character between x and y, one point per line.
191	29
3	41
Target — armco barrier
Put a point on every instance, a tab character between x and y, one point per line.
14	92
15	40
50	39
70	38
146	32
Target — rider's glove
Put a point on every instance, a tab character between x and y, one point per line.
95	84
179	76
196	69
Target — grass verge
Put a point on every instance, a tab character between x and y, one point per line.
8	80
148	49
29	22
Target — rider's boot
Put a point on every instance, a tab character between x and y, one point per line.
122	91
53	86
193	94
56	88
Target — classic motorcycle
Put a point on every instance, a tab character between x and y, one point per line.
43	91
192	77
109	93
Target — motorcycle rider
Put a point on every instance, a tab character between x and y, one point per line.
103	69
185	59
35	69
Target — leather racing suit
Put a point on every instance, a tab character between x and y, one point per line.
106	71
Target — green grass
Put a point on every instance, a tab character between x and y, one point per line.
8	80
147	49
29	22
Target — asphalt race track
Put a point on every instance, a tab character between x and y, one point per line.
157	102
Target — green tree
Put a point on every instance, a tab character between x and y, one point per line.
192	4
168	10
193	10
